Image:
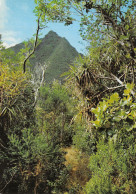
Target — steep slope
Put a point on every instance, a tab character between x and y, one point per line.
45	49
56	53
17	47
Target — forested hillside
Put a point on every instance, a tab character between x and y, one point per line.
53	52
78	136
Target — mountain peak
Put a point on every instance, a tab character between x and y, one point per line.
54	51
51	34
57	53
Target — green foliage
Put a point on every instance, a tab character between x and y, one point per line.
30	158
55	114
16	112
29	162
115	116
109	27
36	164
83	140
77	163
113	169
16	100
53	11
112	166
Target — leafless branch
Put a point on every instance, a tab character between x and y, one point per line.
116	78
41	82
133	73
8	182
106	78
108	89
3	146
35	45
77	10
121	83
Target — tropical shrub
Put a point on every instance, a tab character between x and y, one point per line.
55	113
33	165
115	116
113	169
113	165
29	163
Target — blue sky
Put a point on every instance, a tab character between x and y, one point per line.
18	23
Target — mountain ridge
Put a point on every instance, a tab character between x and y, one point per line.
53	51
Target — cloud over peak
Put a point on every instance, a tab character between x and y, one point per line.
9	38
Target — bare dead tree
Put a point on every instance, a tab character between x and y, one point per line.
40	84
35	45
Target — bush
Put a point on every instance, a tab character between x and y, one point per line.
113	165
33	165
113	169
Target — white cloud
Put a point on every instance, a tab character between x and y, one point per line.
9	38
3	14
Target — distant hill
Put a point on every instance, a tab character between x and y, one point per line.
53	51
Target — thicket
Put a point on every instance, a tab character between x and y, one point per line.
105	122
56	113
30	162
94	111
113	165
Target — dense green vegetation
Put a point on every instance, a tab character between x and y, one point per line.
48	134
